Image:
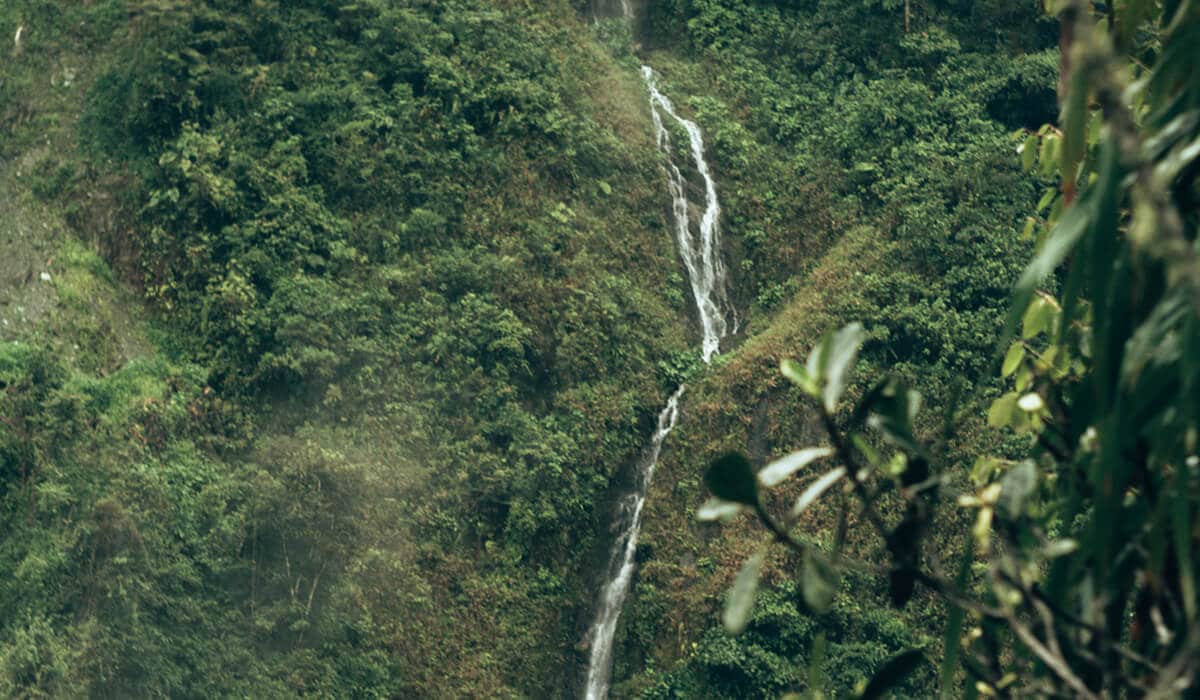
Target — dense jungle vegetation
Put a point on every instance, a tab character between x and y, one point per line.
330	331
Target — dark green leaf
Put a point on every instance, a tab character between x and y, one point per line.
1108	274
901	584
893	408
731	478
892	674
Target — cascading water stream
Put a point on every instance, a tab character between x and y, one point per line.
621	560
700	249
699	246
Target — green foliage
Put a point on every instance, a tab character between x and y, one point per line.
310	235
1087	543
827	116
866	173
119	524
773	654
397	376
416	311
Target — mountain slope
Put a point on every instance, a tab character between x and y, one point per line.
410	302
359	313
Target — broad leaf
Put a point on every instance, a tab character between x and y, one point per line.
717	509
779	470
816	489
1012	359
799	375
892	674
731	478
1018	485
893	408
842	351
1000	414
1029	152
819	582
1063	239
1040	317
740	602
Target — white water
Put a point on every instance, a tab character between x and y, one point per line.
621	561
699	246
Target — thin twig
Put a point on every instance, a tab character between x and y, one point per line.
852	469
1053	661
956	597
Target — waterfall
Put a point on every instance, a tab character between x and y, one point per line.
699	246
700	249
621	561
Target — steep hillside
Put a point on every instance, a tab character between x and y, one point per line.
869	174
411	310
332	329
